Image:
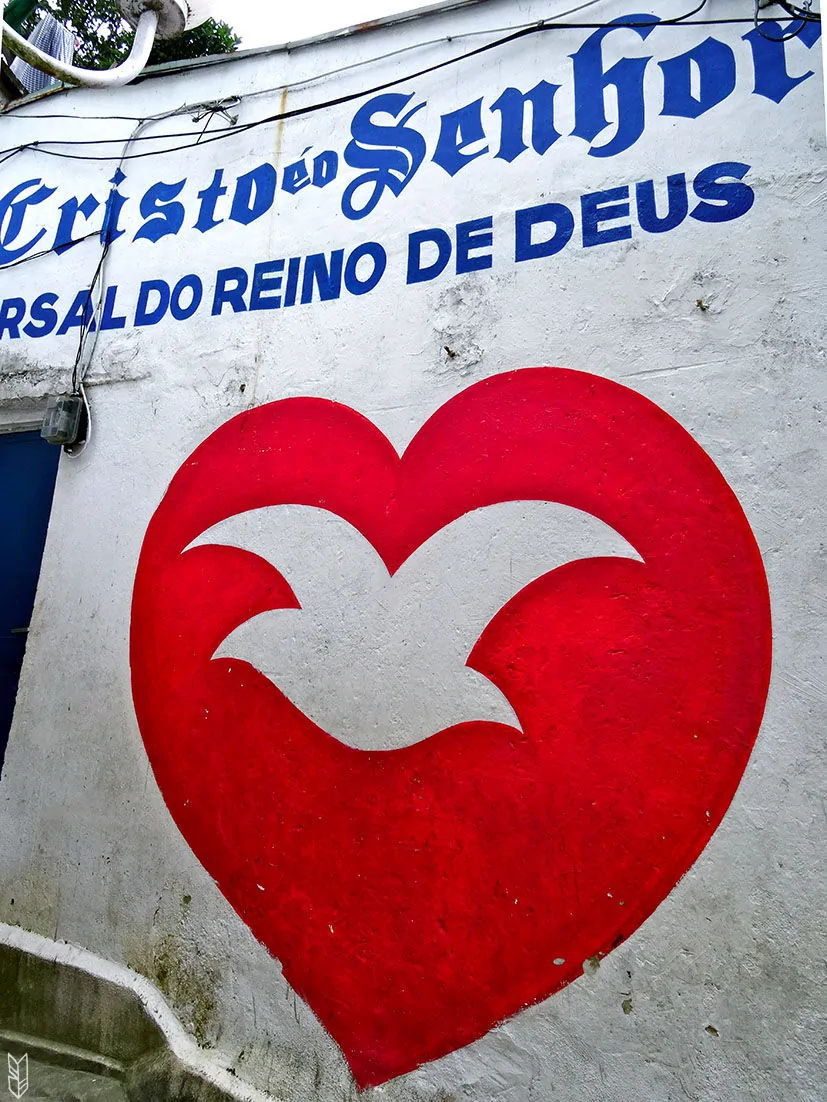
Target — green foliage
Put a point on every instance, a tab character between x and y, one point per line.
210	38
104	38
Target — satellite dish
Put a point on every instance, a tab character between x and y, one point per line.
174	16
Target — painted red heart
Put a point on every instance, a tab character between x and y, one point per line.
420	896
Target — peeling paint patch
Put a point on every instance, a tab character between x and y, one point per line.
591	966
462	315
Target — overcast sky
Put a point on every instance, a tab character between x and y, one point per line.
260	23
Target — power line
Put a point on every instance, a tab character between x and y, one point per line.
225	132
521	31
797	13
47	252
806	13
223	59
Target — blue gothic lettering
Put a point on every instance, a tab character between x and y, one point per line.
511	107
13	208
391	154
591	82
457	131
715	63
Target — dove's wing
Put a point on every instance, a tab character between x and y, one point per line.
318	552
464	574
379	661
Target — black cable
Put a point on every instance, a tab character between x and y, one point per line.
87	326
288	49
12	150
229	131
46	252
10	112
796	12
85	329
794	32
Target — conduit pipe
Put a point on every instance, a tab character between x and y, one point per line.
91	78
151	18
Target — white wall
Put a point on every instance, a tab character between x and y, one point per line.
717	323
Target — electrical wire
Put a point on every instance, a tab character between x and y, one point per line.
213	107
229	131
220	106
225	132
515	33
15	115
794	32
79	371
47	252
806	13
224	58
91	325
338	71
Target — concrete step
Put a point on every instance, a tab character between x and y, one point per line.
93	1031
48	1082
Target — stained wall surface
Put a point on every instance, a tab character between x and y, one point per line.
425	686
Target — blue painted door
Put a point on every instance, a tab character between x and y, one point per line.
28	468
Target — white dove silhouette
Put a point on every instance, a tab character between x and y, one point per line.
378	661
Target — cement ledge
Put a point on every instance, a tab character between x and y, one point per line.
132	1032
